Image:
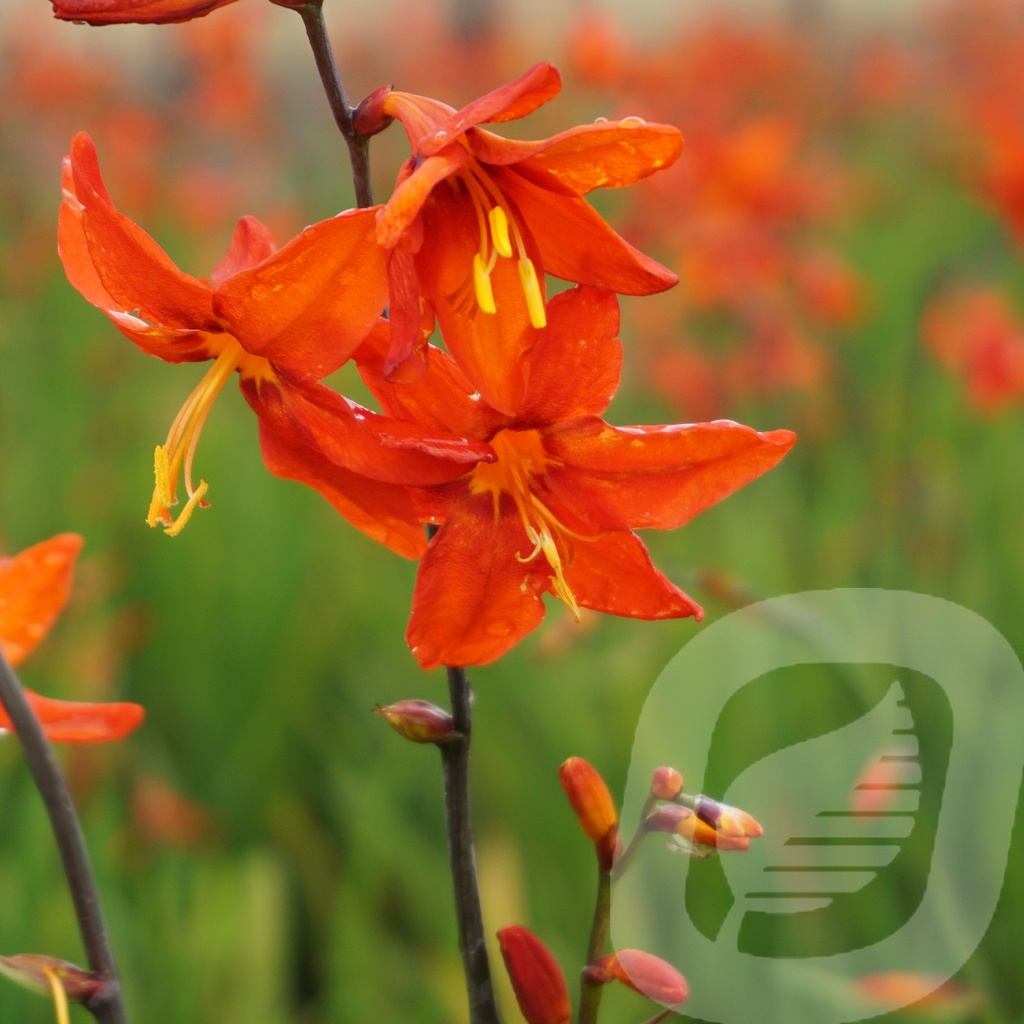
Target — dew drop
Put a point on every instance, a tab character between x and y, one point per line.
632	122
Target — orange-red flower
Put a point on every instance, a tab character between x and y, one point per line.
554	512
476	220
283	319
650	975
112	12
34	587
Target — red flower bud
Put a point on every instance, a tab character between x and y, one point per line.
34	971
536	977
666	783
369	117
726	820
418	720
593	805
650	975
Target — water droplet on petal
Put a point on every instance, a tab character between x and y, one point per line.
632	122
600	120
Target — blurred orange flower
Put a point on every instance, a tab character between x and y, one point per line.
114	12
34	587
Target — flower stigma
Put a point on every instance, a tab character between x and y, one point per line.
521	458
499	237
177	452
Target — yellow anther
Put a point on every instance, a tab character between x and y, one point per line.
482	286
195	500
499	231
531	289
60	997
163	493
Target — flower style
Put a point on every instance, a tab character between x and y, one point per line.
34	587
477	220
283	319
113	12
554	512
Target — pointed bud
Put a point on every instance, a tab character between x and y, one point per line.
650	975
418	720
370	117
682	822
536	977
593	805
34	971
666	783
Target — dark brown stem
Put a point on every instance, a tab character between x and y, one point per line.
107	1006
358	145
469	917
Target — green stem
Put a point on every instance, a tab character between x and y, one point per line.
590	995
107	1006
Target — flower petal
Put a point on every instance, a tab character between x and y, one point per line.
382	511
624	478
412	191
576	244
66	721
250	245
307	307
506	103
132	268
110	12
474	599
34	587
574	367
614	574
608	155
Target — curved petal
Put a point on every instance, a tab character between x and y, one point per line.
307	307
614	574
574	366
474	599
380	510
506	103
624	478
66	721
610	154
173	345
251	244
34	587
111	12
356	439
576	244
411	193
442	399
133	269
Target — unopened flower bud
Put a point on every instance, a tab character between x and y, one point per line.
536	977
37	972
593	805
650	975
686	825
369	117
418	720
666	783
726	820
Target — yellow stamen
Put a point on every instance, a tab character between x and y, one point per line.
176	454
499	231
521	458
482	286
531	289
60	997
499	237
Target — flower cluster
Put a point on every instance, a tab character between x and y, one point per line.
496	439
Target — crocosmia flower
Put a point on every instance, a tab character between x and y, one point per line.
554	512
476	220
283	319
34	586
